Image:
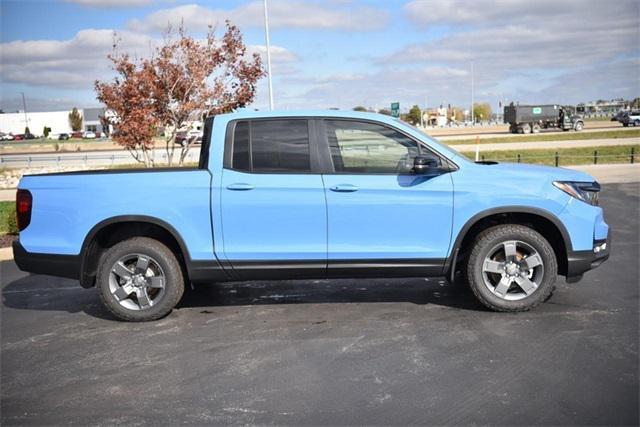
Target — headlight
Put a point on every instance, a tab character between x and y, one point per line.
585	191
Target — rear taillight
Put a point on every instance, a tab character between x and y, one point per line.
24	202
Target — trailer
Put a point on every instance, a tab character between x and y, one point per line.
533	118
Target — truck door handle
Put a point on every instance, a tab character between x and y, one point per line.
344	188
240	186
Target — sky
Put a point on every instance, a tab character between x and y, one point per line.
341	53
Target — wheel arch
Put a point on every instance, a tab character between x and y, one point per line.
543	221
115	229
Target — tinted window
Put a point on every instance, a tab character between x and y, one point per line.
280	145
360	147
241	147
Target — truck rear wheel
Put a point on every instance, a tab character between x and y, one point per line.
511	268
525	128
535	128
139	280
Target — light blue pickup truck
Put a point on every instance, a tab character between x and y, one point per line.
293	195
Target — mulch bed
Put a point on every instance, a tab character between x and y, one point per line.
6	240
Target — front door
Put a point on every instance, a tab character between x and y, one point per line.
379	214
273	207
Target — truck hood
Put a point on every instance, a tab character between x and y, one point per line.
526	171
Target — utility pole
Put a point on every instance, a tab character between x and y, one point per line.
472	115
266	36
24	107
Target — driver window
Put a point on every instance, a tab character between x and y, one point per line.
361	147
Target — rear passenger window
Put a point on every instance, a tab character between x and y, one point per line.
280	145
271	146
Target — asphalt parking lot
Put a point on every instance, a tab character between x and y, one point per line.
401	351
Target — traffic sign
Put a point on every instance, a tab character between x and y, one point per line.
395	109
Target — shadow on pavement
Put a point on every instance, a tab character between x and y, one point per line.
37	292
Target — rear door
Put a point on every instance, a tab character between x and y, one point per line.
379	214
274	220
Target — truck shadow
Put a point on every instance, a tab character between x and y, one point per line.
37	292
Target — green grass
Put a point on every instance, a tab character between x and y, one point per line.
567	156
8	218
566	136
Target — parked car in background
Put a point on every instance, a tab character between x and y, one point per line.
631	118
182	137
63	137
619	116
88	135
330	194
77	134
6	136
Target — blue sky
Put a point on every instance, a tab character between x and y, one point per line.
341	53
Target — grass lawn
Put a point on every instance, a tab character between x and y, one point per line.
567	156
7	218
566	136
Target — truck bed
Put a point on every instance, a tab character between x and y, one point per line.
180	197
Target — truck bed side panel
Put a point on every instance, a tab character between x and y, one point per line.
67	206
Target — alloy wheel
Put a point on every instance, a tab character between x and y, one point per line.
137	281
512	270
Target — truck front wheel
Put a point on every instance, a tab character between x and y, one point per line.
139	279
579	126
511	268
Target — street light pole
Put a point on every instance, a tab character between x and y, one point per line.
24	107
266	36
473	118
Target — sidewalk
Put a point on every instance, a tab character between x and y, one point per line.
512	146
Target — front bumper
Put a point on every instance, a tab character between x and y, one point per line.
51	264
579	262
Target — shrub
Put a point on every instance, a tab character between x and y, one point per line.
8	224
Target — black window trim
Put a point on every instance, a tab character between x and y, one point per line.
205	147
315	158
321	162
447	165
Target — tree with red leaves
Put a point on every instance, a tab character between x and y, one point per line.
183	81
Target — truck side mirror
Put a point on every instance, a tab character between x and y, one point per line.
425	165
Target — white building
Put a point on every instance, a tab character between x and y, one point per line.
58	121
15	123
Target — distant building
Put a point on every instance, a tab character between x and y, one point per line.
602	108
58	121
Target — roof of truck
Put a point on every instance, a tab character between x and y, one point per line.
246	113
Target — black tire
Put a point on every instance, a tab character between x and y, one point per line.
493	236
535	128
525	128
165	259
579	126
625	124
636	123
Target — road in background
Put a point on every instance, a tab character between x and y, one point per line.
535	145
371	351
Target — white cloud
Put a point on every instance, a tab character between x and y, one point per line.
76	63
112	3
492	12
290	14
